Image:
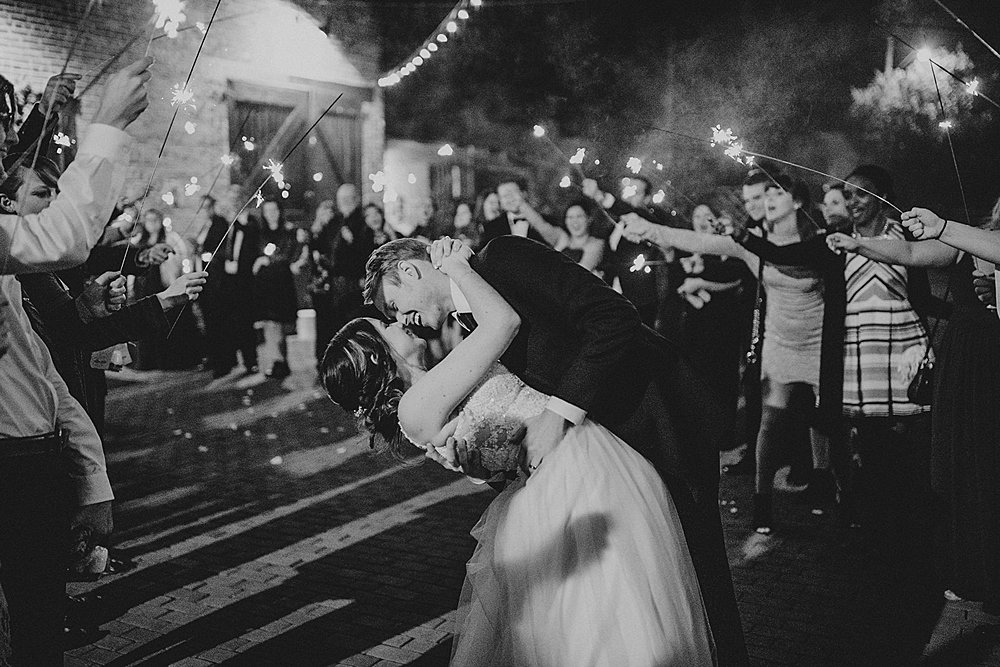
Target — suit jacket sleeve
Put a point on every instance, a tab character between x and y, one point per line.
606	323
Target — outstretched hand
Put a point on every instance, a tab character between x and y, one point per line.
125	95
449	255
636	228
183	289
923	223
840	243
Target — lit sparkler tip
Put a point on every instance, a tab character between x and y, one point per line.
634	165
946	124
258	199
183	96
276	171
973	87
638	264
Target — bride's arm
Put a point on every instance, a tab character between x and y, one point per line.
427	406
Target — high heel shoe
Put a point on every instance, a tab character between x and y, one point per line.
762	519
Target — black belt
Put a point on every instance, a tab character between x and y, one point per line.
35	445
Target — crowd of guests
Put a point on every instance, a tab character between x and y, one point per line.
815	326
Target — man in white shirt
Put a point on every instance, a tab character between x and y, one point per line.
44	432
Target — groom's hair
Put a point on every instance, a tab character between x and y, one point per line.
383	265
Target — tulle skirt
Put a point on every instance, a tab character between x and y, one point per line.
583	564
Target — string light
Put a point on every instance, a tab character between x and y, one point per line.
733	147
449	25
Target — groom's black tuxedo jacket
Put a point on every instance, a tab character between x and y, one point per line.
583	342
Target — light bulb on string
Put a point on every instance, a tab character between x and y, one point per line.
452	27
463	14
424	53
418	61
442	38
432	47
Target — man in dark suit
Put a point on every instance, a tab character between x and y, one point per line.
518	217
221	355
584	345
236	300
338	251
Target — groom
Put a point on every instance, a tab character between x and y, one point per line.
584	345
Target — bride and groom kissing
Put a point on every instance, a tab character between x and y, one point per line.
605	547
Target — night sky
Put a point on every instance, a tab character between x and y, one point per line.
602	74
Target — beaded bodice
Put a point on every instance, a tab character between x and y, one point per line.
493	415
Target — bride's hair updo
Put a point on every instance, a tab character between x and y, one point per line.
359	374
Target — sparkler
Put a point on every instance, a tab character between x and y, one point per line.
182	97
45	123
946	125
733	146
763	156
275	168
972	86
179	95
169	16
966	26
258	197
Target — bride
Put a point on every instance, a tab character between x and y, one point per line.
581	560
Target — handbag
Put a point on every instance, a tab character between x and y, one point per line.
921	389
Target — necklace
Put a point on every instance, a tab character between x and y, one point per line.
856	234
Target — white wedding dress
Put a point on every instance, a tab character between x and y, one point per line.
582	564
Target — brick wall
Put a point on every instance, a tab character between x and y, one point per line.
273	44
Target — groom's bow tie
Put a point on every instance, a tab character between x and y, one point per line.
467	321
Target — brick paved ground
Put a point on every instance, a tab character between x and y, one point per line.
266	534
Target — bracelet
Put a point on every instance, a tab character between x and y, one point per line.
943	227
